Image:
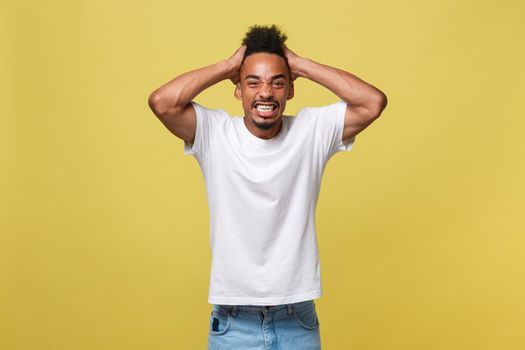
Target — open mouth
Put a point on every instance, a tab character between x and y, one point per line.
265	107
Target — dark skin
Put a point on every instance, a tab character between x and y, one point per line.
264	79
171	102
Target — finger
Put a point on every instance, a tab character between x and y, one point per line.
235	79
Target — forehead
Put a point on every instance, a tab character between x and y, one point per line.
264	65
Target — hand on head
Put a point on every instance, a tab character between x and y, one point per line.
235	60
292	59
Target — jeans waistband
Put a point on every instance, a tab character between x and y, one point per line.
234	309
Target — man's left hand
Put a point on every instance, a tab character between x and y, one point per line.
293	62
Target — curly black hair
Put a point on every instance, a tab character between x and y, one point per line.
268	39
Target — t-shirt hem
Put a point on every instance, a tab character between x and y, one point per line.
264	301
192	149
345	147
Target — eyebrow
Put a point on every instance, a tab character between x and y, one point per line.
278	76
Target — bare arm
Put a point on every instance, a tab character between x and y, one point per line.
171	102
364	102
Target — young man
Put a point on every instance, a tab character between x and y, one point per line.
263	174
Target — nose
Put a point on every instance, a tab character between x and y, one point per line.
266	90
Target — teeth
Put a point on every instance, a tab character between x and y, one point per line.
265	108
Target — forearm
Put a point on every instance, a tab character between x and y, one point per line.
181	90
345	85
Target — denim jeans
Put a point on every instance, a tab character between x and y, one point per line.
250	327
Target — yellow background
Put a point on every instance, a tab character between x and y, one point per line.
104	221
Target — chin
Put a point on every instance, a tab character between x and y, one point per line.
266	125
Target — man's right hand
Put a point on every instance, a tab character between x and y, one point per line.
235	61
171	102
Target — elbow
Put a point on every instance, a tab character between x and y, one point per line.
383	101
163	108
160	105
155	103
378	105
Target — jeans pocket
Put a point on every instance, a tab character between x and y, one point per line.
306	315
219	322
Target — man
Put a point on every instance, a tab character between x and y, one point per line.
263	174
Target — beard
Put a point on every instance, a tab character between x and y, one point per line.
265	126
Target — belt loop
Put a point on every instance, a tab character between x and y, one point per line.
290	309
234	311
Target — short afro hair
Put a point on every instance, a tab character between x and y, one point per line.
269	39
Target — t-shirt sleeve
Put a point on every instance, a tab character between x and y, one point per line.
329	124
204	127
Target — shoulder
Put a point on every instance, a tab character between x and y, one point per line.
206	112
211	118
334	108
209	123
333	113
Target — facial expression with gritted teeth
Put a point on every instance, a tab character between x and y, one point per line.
264	87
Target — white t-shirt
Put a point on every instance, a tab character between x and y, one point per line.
262	196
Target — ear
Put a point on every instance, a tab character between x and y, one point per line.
238	93
291	91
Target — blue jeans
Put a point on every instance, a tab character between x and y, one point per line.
276	327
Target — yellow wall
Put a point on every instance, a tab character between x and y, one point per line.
104	221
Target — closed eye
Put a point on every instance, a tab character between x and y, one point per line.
276	84
253	83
